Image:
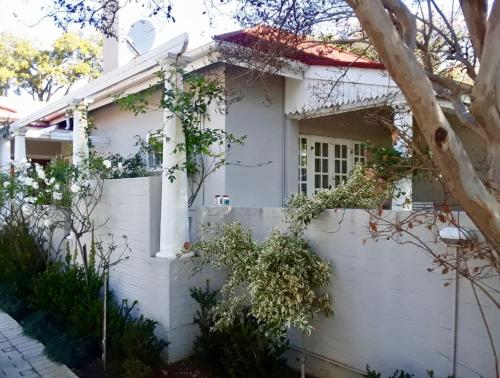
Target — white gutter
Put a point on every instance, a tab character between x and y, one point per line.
137	66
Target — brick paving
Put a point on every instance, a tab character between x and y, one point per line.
22	356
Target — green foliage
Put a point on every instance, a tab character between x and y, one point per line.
75	352
68	297
242	349
388	162
372	373
206	149
401	374
134	368
43	326
60	344
68	291
281	278
363	190
283	284
133	337
11	304
21	259
41	72
397	374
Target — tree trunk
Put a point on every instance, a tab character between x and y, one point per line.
448	152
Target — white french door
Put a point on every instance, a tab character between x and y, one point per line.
326	162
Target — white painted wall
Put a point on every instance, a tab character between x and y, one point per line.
390	312
259	115
131	207
120	127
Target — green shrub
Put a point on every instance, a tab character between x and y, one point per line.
133	368
21	260
239	350
133	337
43	326
11	304
66	290
76	352
68	298
60	345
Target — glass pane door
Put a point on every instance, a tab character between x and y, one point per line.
321	165
341	161
326	162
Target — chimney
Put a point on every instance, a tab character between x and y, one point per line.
115	51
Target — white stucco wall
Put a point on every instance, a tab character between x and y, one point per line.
390	312
259	115
119	127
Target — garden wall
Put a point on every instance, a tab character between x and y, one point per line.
390	312
132	207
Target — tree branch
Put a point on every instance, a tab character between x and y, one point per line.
448	152
475	12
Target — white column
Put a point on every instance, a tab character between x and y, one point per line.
403	121
80	143
19	144
291	157
5	155
174	224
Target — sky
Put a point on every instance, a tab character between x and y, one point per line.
25	18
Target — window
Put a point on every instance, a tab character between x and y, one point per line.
154	152
326	162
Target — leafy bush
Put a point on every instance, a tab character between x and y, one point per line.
284	283
363	190
43	326
132	337
21	260
66	290
281	279
134	368
11	304
76	352
241	349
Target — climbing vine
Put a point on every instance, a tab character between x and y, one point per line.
207	149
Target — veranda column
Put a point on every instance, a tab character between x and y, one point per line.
5	155
19	144
403	121
80	142
174	223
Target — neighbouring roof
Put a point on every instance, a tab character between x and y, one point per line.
15	107
292	46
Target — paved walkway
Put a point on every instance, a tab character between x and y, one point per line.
22	356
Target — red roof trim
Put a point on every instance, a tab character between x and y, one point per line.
295	47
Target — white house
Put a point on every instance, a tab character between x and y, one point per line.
308	118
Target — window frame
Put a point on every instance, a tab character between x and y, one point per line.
311	141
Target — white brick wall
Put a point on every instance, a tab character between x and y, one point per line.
132	207
390	312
